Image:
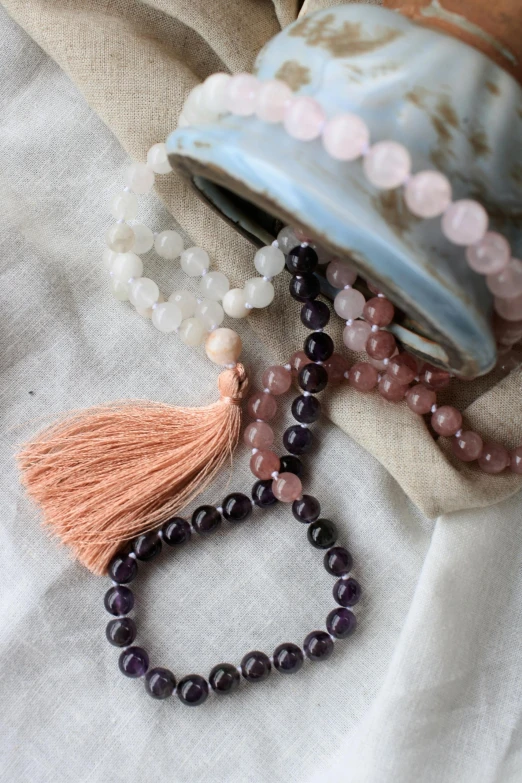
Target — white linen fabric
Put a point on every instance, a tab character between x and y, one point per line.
426	690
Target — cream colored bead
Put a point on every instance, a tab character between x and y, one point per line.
185	301
195	261
214	93
119	290
168	244
127	265
223	346
234	303
192	332
259	293
144	238
108	257
166	317
214	285
194	110
210	313
183	122
124	206
157	159
143	292
146	312
139	178
269	261
120	238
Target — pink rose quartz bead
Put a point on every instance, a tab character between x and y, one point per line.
363	377
489	256
241	94
379	311
339	273
381	365
508	283
467	446
403	368
447	420
336	366
391	389
304	119
346	137
516	460
510	309
387	165
264	463
258	435
298	361
287	487
349	304
381	345
277	379
465	222
272	99
356	336
494	458
428	194
373	288
419	399
434	378
262	406
506	332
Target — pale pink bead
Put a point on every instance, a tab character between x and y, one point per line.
391	389
339	273
467	446
241	93
420	399
356	336
489	256
506	332
262	406
508	283
304	119
387	165
336	366
379	311
287	487
264	463
258	435
298	361
465	222
428	194
494	458
510	309
363	377
403	368
516	460
349	304
277	379
446	420
346	137
272	98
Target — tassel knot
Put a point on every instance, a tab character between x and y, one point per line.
233	385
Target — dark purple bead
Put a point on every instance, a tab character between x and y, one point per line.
123	569
302	259
121	632
315	314
306	409
304	287
147	546
313	378
193	690
119	600
347	592
318	346
297	439
160	683
134	662
237	507
224	678
288	658
256	666
262	494
206	519
176	531
306	508
322	534
338	561
341	623
318	646
291	464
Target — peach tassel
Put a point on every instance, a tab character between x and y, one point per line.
106	474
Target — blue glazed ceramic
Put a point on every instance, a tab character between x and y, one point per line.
453	108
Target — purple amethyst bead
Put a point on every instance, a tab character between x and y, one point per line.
237	507
147	546
123	569
288	658
306	509
119	600
255	666
291	464
262	494
318	346
193	690
121	632
297	439
176	531
224	678
341	623
313	378
160	683
206	519
347	592
306	409
134	662
338	561
302	259
315	314
318	646
322	534
304	287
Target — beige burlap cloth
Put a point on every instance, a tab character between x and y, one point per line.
135	62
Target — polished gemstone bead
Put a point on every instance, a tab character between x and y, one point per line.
489	256
313	378
166	317
381	345
355	336
236	507
465	222
210	313
214	286
287	239
403	368
168	244
195	261
387	165
434	378
509	309
264	463
341	623
446	420
134	662
120	238
363	377
322	534
315	314
428	194
272	99
287	487
494	458
125	266
242	90
349	304
223	347
258	435
214	93
192	690
108	258
259	292
318	346
121	632
123	569
288	658
262	406
186	301
157	159
516	460
304	287
379	311
347	592
269	261
262	494
467	446
176	531
303	118
224	678
124	206
507	332
346	136
318	646
147	546
340	274
143	238
306	509
297	439
235	303
143	292
160	683
338	561
298	361
139	178
306	409
255	666
420	399
192	332
301	260
508	283
277	379
291	464
392	390
336	367
381	365
206	519
119	600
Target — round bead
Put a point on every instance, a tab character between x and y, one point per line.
214	93
242	92
338	561
255	666
490	255
288	658
291	464
467	446
340	274
403	368
306	409
465	222
287	239
147	546
379	311
139	178
168	244
123	569
185	301
264	463
341	623
144	238
269	261
124	206
214	285
315	314
206	519
167	317
134	662
318	646
287	487
446	420
119	290
195	261
143	292
349	304
262	406
356	335
322	534
176	531
434	378
346	137
157	159
108	258
262	494
494	458
224	678
306	509
507	332
192	690
381	345
304	287
236	507
119	600
160	683
318	346
302	260
381	365
304	119
297	439
347	592
516	460
363	377
297	361
258	292
126	265
336	367
392	390
277	379
121	632
258	435
312	378
508	283
120	238
223	347
428	194
234	303
387	165
210	313
192	332
272	99
510	309
420	399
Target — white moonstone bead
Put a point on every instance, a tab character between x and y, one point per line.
127	265
185	301
143	292
210	313
346	137
428	194
214	93
387	165
195	261
144	238
139	178
124	206
489	256
166	317
120	238
269	261
182	121
146	312
157	159
195	111
108	258
259	293
272	99
349	304
304	119
508	283
214	285
287	239
465	222
223	347
242	92
192	332
234	303
119	290
168	244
